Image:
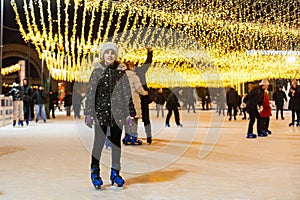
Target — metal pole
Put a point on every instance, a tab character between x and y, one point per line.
1	43
42	70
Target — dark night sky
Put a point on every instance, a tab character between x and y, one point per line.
11	34
10	30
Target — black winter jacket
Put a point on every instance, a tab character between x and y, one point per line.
232	97
26	93
39	97
172	102
292	101
255	98
279	96
16	93
109	95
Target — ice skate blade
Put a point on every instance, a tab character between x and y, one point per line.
114	187
97	187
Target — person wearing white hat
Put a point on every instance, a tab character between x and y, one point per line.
266	111
108	104
16	93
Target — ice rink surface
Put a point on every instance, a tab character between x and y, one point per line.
208	158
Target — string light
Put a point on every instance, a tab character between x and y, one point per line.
11	69
199	42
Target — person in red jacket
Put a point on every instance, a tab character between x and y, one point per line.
265	111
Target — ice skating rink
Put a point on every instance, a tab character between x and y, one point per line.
208	158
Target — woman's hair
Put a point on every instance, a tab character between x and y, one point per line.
127	64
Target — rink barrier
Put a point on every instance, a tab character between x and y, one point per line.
6	110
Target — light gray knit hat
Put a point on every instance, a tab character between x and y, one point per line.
109	46
264	82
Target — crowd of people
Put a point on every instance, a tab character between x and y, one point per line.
34	103
132	103
117	97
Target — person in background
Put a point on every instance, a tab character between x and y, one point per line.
108	104
190	99
27	93
221	101
279	97
160	100
254	99
68	103
131	134
146	100
16	93
244	107
47	102
39	98
53	101
205	102
172	105
232	102
265	111
76	101
239	103
297	95
293	103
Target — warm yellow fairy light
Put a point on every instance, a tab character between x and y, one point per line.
223	30
11	69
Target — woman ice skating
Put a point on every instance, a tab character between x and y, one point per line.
131	135
265	112
108	104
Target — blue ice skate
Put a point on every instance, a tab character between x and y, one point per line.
263	134
251	136
96	179
135	141
107	143
127	139
20	123
116	178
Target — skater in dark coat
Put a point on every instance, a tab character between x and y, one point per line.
293	103
172	105
279	97
108	104
68	103
254	99
297	95
232	99
27	93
